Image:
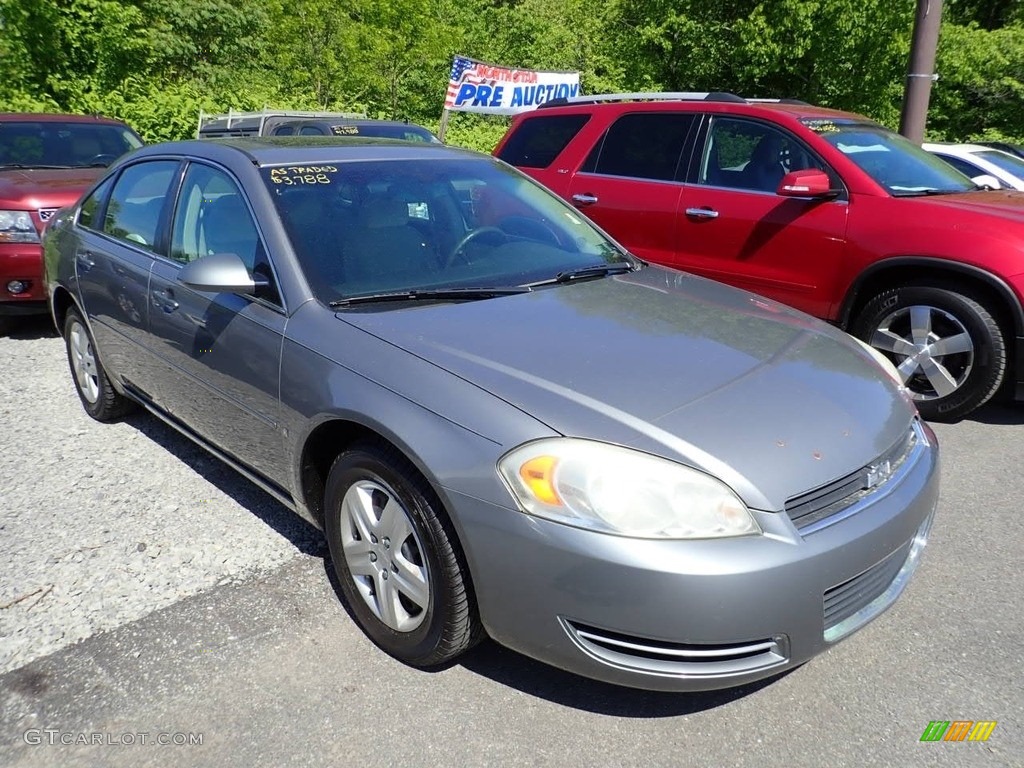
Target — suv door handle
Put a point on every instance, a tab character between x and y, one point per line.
584	199
702	213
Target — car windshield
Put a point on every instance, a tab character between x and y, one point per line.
430	225
50	144
899	165
1009	163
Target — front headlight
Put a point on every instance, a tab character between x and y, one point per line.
17	227
883	361
616	490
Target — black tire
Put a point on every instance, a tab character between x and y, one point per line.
98	396
444	623
946	385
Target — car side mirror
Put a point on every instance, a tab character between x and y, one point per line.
220	273
807	182
985	181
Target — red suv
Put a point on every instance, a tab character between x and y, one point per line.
46	162
822	210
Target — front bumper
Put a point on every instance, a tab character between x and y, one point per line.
695	615
24	262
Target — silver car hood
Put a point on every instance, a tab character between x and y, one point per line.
770	400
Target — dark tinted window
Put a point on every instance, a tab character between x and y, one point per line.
539	140
63	145
87	214
311	130
284	130
136	202
961	165
645	146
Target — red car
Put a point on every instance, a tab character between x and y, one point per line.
46	162
823	210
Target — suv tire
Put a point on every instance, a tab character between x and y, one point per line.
954	360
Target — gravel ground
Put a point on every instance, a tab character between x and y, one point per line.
102	524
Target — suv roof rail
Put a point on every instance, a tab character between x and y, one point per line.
646	96
798	102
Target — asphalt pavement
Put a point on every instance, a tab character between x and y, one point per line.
272	672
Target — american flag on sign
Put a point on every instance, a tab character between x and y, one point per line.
460	66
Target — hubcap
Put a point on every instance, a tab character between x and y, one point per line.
384	556
931	348
83	363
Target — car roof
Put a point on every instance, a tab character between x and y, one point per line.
283	150
955	148
54	117
712	101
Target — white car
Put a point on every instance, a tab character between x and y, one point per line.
975	160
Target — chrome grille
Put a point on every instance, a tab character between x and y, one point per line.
677	658
844	600
830	499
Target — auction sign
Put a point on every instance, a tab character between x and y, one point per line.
474	86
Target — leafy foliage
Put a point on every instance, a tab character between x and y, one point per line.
157	63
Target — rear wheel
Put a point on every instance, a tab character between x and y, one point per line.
396	557
98	396
947	346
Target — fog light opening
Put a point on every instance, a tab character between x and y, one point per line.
14	287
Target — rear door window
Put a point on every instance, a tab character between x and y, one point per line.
539	140
642	145
137	201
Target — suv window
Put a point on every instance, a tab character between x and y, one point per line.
136	202
745	154
643	145
540	140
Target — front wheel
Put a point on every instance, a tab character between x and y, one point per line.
947	346
396	557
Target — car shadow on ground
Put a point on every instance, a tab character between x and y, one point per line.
1001	412
305	537
31	327
512	669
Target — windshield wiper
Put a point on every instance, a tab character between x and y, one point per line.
595	270
31	167
930	192
431	294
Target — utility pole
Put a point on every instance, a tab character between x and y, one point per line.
921	71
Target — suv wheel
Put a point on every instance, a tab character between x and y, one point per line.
396	558
948	348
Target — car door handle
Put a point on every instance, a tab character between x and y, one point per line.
164	299
702	213
85	260
584	199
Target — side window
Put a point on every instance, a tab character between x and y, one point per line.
87	213
744	154
310	130
212	217
136	202
963	166
539	140
284	130
643	145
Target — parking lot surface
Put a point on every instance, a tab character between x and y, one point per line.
150	594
